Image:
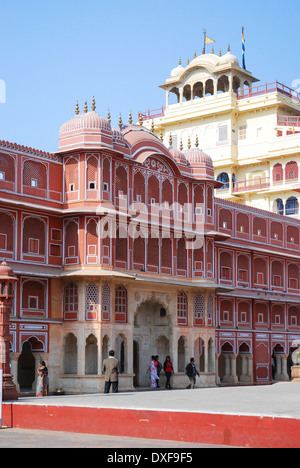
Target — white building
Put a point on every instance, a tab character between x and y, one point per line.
250	130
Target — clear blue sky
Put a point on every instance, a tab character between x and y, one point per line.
54	53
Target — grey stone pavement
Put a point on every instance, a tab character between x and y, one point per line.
23	438
277	400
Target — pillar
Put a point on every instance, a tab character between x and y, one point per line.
7	280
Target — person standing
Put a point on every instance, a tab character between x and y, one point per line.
159	368
42	386
169	371
111	369
191	372
152	369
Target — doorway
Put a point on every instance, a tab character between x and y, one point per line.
26	368
152	332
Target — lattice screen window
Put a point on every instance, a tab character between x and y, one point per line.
34	236
36	172
6	232
92	173
139	188
182	309
199	310
33	296
71	302
121	304
106	302
71	174
291	170
7	167
91	302
71	239
166	253
210	310
181	255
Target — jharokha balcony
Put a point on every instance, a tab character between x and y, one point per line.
259	183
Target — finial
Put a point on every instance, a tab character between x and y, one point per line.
228	48
93	104
197	142
161	137
77	108
181	145
170	139
120	122
212	50
152	126
108	116
179	61
220	53
188	61
203	50
85	107
130	118
189	143
141	118
195	55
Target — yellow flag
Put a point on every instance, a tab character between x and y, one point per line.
208	40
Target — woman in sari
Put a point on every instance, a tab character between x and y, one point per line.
153	372
42	386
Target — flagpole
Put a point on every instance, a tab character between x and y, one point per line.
204	32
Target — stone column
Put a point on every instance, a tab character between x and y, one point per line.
233	368
7	281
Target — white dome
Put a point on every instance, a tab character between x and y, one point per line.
228	58
177	71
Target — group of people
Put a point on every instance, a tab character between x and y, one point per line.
155	368
111	370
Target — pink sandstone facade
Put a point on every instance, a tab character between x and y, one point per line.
119	242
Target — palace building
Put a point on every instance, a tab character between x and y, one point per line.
251	130
120	242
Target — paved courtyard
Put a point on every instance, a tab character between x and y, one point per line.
277	400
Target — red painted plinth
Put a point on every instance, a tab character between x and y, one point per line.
218	429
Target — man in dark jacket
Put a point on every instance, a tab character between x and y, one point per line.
191	372
111	369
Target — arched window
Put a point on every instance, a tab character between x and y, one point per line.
121	183
277	173
92	241
292	206
6	232
278	206
34	298
91	302
224	178
35	175
91	356
71	302
291	171
139	188
7	168
153	191
105	303
182	309
121	304
71	241
199	310
34	237
92	173
210	311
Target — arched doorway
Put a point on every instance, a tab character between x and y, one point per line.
26	368
152	332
